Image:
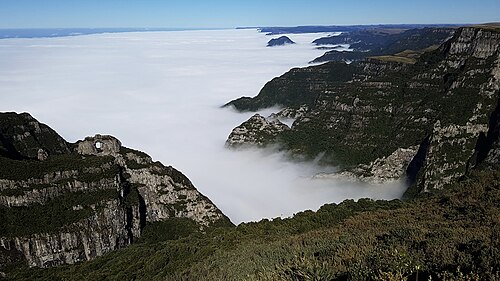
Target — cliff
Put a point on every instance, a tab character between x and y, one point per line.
61	203
443	107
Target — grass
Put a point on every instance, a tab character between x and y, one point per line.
449	235
406	56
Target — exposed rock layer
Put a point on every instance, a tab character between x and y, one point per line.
256	131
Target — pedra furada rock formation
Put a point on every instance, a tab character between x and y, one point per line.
61	203
429	121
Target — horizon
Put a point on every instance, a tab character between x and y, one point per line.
222	14
136	85
250	27
167	28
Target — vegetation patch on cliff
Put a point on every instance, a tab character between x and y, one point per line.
52	216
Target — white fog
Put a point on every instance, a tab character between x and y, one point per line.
161	92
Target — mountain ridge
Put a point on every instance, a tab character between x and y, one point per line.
61	203
280	41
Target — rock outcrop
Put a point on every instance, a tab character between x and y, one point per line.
22	137
361	114
256	131
280	41
83	200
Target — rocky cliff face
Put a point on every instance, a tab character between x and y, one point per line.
382	41
82	200
443	109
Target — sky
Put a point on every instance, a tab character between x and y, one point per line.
236	13
161	92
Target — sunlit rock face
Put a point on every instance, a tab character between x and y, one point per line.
257	131
83	200
280	41
430	121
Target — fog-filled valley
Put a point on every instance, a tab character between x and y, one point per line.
161	92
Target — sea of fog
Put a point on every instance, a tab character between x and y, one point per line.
161	92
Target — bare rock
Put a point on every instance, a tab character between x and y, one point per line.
99	145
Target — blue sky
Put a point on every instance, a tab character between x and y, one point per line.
233	13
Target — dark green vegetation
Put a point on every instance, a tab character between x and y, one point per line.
382	41
495	26
48	182
290	89
52	216
26	169
449	235
61	203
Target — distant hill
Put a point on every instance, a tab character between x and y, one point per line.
343	28
382	41
281	41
